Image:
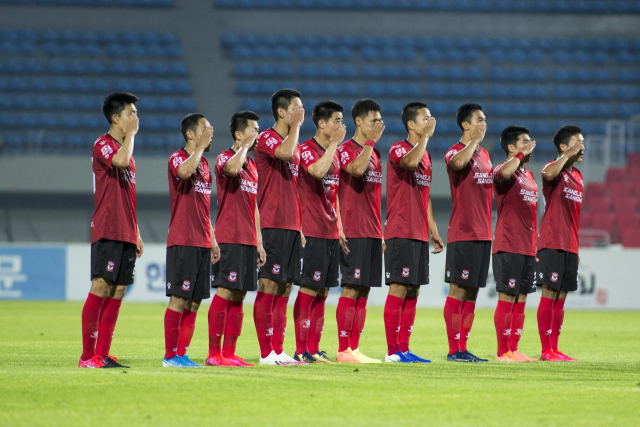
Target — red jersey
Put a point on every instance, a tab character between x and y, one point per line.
517	199
114	195
236	221
278	200
360	198
318	197
563	201
471	193
190	202
407	195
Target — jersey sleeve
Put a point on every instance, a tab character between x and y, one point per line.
174	163
268	143
449	155
104	151
396	153
307	157
496	170
222	160
347	155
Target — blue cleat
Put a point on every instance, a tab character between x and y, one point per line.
190	363
474	358
174	362
397	357
412	357
458	356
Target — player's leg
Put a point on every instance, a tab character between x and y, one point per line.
392	322
527	285
552	266
360	318
569	284
172	319
217	321
453	320
502	320
317	326
233	329
345	317
90	321
187	328
302	321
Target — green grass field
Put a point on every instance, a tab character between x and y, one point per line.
40	383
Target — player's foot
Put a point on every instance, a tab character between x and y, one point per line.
284	356
273	360
362	358
112	362
398	357
507	357
94	362
564	357
187	361
218	360
550	356
346	357
305	357
323	357
522	358
414	358
458	356
237	360
175	362
473	357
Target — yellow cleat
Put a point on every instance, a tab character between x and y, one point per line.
362	358
346	357
322	357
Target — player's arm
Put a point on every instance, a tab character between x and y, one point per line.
215	249
190	165
438	245
358	166
342	238
320	168
462	157
553	169
413	158
262	255
122	158
509	167
234	165
139	244
287	149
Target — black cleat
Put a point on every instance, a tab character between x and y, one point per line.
473	357
305	357
112	362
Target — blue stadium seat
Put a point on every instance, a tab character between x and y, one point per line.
563	91
433	54
622	109
627	75
627	92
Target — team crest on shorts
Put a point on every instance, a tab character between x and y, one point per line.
554	277
356	273
405	271
276	269
316	276
465	274
512	283
186	285
110	265
233	276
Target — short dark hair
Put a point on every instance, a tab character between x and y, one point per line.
363	107
240	121
282	99
465	113
410	112
190	122
564	134
114	103
325	110
510	136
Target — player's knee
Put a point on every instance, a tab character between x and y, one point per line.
224	293
349	291
238	296
398	290
412	292
100	287
309	290
193	305
267	286
363	292
456	291
177	303
118	291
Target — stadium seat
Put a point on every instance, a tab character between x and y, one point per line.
616	175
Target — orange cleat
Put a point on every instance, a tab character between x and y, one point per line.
564	357
218	360
237	360
507	357
94	362
550	356
346	357
522	358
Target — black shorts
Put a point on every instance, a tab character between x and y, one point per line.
114	260
284	255
407	261
237	268
558	270
468	262
189	272
514	273
321	262
362	266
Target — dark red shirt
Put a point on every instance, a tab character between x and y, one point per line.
407	195
190	203
278	200
517	200
236	221
114	195
563	201
471	193
318	196
360	198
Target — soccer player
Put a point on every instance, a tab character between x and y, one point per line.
360	192
406	234
191	246
115	238
238	233
514	247
469	236
318	190
563	189
277	158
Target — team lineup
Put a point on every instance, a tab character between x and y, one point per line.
309	214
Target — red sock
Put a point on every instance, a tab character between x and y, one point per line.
263	319
90	321
345	315
171	333
187	326
233	328
217	320
358	324
302	320
517	324
392	319
466	321
452	318
545	321
558	319
279	323
406	324
107	326
502	322
105	303
317	324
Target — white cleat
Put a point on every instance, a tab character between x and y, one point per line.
290	360
274	359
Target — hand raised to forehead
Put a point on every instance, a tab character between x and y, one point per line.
375	132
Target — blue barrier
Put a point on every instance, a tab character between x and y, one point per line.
33	272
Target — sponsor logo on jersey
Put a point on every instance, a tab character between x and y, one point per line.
202	187
110	265
554	277
405	271
222	160
483	177
574	195
186	285
233	276
177	161
106	151
307	156
271	142
400	152
293	168
422	179
465	274
316	276
276	269
373	176
529	195
512	283
344	157
356	273
249	186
